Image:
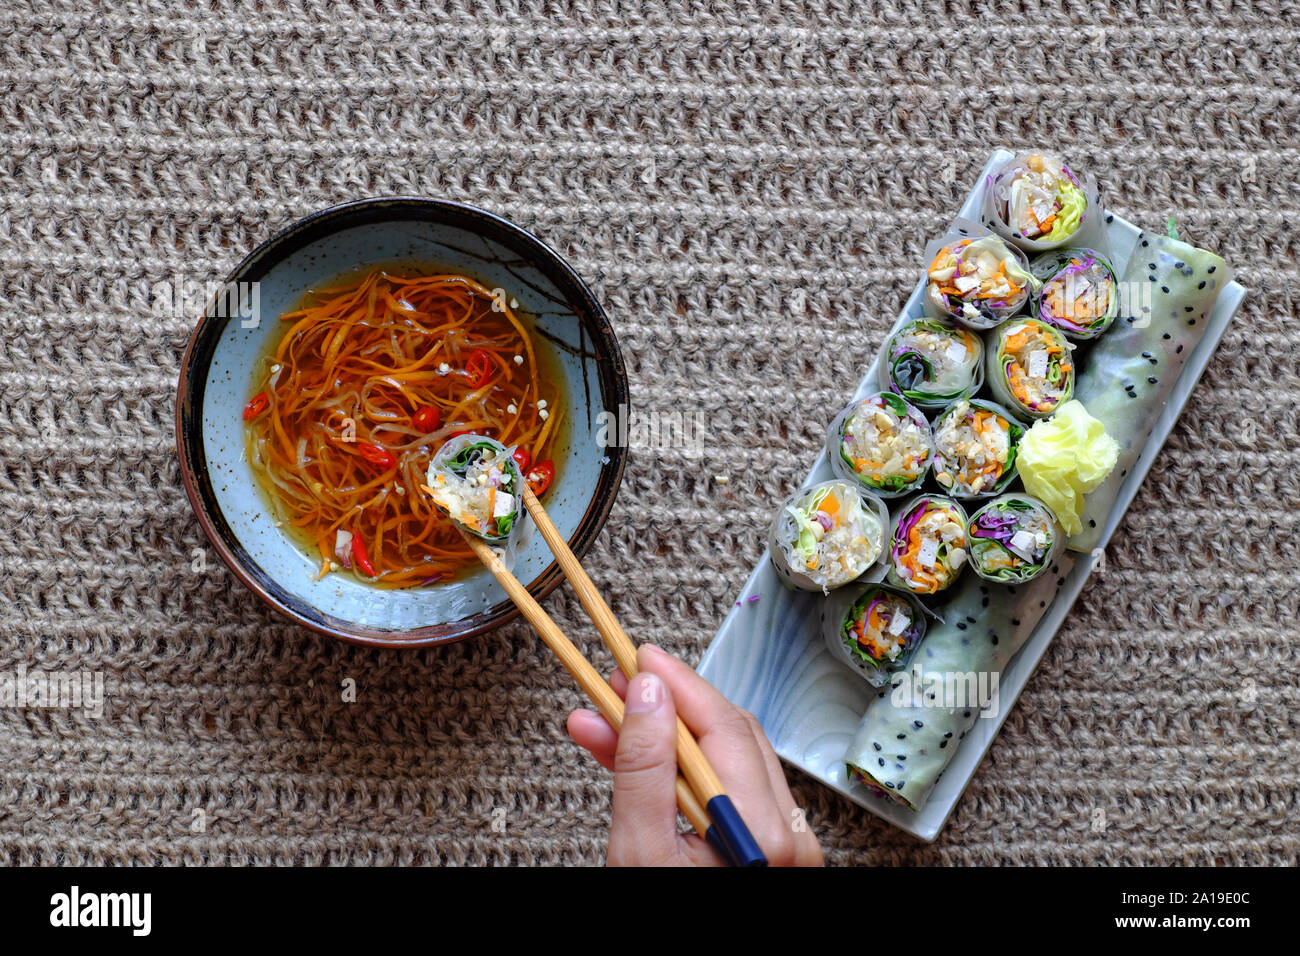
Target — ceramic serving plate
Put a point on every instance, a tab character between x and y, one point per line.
769	657
240	324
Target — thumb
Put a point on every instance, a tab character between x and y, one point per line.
643	828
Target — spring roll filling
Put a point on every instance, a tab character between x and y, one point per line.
879	627
885	444
1036	364
1040	199
1080	297
978	279
929	359
1011	538
973	449
837	540
929	547
477	488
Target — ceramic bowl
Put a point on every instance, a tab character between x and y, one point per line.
242	321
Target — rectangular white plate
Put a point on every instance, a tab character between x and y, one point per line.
768	656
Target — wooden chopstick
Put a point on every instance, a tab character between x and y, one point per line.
695	767
588	678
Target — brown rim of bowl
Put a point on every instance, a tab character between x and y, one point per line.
611	374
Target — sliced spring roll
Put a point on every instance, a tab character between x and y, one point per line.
1014	539
979	282
907	736
882	443
874	631
1037	202
827	535
1030	368
1080	294
1169	288
928	547
476	481
975	445
931	362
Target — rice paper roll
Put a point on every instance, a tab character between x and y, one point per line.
1013	539
930	362
827	535
979	282
1029	367
1080	294
1169	288
874	630
915	725
882	443
975	444
1037	202
927	550
477	483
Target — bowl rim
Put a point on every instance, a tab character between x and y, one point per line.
201	346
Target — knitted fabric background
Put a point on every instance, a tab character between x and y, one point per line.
748	187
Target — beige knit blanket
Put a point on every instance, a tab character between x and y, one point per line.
749	188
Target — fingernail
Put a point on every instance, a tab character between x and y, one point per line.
645	693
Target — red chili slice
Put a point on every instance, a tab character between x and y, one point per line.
427	419
256	406
541	476
359	556
523	459
479	368
376	455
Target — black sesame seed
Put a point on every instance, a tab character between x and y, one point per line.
1092	523
1015	621
876	745
1177	350
963	733
1191	321
969	619
1151	265
1146	354
1152	278
902	736
1151	379
1110	218
889	785
1145	243
1201	286
1042	604
881	761
995	638
961	626
942	744
1187	308
1164	289
1166	336
917	724
984	603
966	714
902	757
1178	265
1211	269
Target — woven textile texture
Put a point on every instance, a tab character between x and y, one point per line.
748	187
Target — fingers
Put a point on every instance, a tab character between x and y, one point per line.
740	754
643	828
593	733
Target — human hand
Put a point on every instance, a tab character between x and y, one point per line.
643	828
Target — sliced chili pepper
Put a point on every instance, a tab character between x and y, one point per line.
359	556
479	368
376	455
523	459
541	476
427	419
256	406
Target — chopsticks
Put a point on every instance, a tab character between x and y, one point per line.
717	820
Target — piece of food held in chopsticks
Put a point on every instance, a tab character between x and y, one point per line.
826	536
1014	538
913	727
978	282
930	362
882	443
1080	294
874	631
1169	288
1030	368
1039	203
975	448
928	548
478	484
